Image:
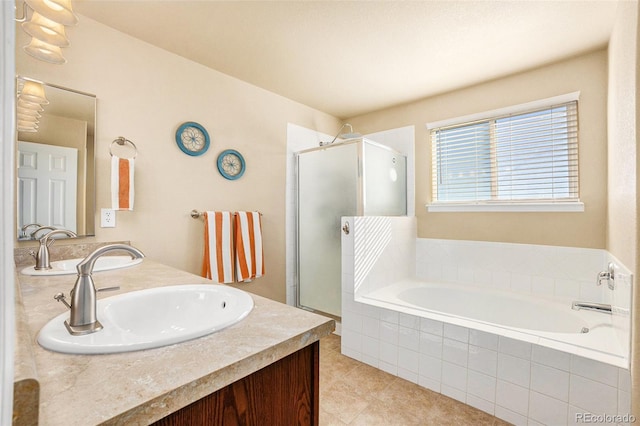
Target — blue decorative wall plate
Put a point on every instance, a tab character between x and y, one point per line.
231	164
192	138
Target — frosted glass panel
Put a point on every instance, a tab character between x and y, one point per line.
327	190
385	182
330	186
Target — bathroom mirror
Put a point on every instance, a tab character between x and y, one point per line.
55	164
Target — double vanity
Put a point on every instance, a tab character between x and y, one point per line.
246	360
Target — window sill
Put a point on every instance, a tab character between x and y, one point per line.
506	207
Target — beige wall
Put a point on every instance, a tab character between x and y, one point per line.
587	74
622	224
144	94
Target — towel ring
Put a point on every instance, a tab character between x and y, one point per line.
121	140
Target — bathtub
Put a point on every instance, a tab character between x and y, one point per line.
539	321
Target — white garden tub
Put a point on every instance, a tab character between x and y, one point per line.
523	317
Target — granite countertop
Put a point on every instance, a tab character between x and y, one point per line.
137	388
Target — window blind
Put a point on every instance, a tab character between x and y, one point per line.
523	157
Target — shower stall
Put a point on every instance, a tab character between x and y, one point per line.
356	177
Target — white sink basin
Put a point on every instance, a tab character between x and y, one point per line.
68	267
152	318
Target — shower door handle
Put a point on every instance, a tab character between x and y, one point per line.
345	228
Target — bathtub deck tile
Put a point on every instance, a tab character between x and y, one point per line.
515	370
483	360
594	370
456	332
483	339
551	357
550	381
547	410
514	347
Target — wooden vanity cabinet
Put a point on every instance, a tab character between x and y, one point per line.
283	393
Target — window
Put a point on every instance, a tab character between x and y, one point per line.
512	159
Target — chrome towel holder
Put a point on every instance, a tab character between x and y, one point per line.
196	214
121	140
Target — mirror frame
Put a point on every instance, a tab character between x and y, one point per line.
90	169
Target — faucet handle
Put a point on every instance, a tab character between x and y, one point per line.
60	297
603	275
114	288
608	275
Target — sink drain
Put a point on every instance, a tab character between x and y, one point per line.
584	330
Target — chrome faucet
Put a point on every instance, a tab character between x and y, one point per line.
33	235
83	318
42	256
589	306
608	275
23	230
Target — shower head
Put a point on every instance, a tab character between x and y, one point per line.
349	135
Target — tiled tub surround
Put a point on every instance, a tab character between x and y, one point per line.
519	381
144	386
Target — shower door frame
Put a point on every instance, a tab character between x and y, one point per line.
360	203
359	209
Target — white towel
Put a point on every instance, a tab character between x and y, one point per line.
121	183
218	259
249	254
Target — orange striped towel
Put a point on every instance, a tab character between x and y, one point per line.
249	255
121	183
218	247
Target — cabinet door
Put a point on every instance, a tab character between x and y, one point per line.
283	393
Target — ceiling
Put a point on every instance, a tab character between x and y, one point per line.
348	58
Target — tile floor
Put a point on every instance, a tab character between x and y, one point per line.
353	393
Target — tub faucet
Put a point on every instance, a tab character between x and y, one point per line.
83	318
608	275
42	256
589	306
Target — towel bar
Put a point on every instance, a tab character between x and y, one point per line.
196	214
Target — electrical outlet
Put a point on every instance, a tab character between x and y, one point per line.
107	218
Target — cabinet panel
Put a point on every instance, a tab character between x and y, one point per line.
283	393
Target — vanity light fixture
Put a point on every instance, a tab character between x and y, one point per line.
26	112
31	97
28	119
57	10
45	52
27	127
33	92
29	105
47	28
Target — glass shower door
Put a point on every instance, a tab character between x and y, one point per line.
384	181
327	190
